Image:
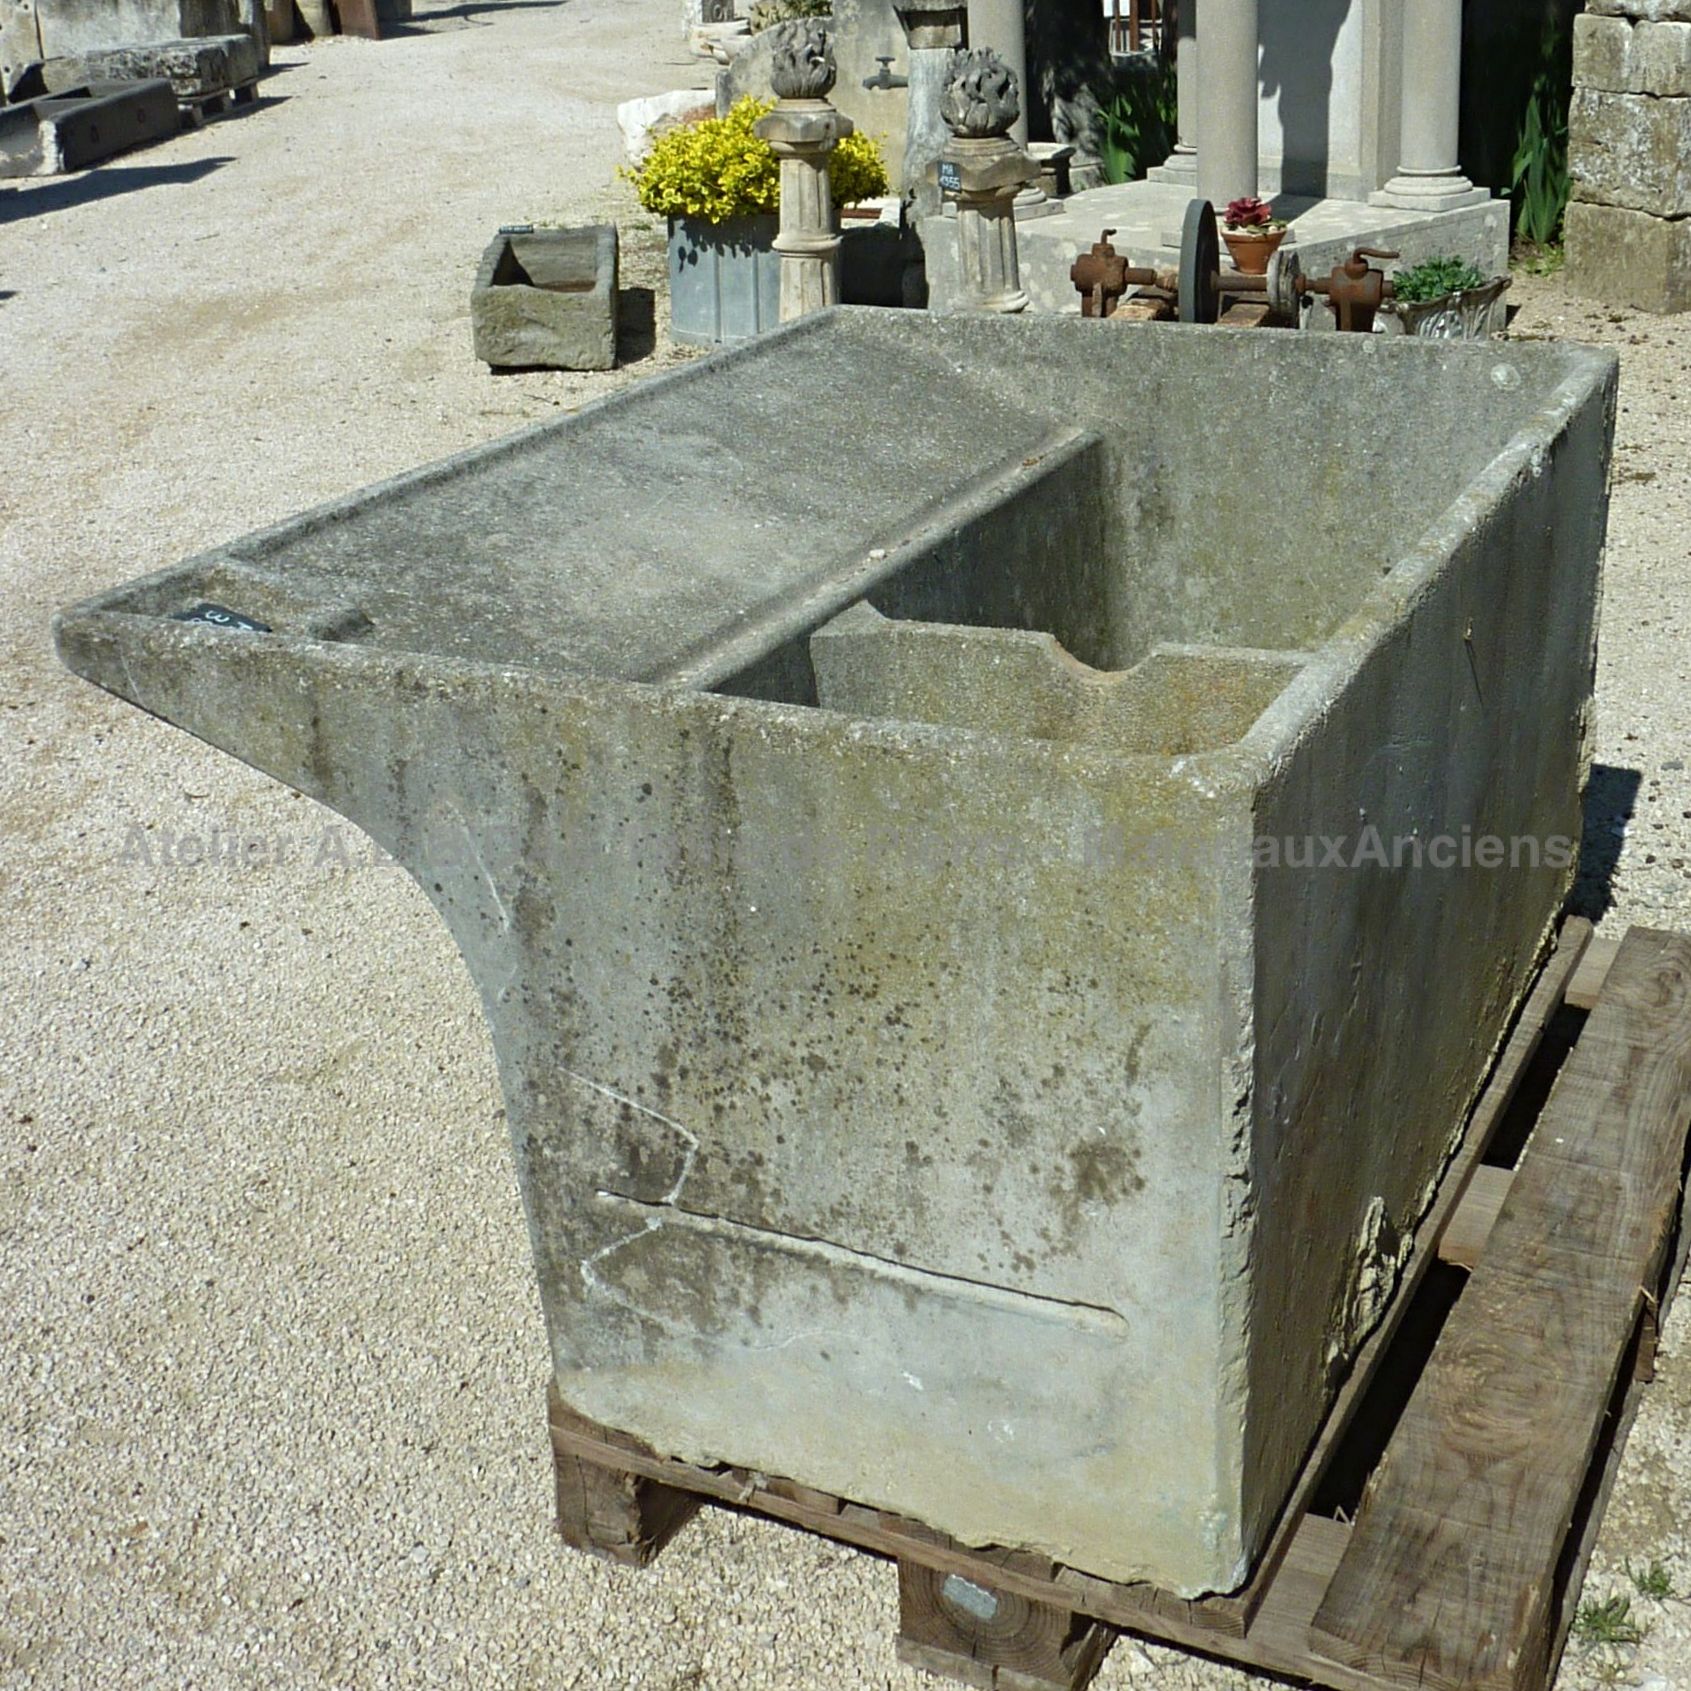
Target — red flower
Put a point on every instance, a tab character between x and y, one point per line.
1248	213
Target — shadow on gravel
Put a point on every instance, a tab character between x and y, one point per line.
1611	796
637	324
469	12
99	184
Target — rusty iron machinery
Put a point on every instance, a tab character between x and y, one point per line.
1354	291
1196	287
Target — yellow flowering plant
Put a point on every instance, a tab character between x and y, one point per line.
721	169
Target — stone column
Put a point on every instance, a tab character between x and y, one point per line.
986	169
934	29
1428	178
1227	99
1002	26
1182	164
803	130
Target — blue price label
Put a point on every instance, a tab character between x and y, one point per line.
220	616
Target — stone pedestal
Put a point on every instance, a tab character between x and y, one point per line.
1428	178
984	172
1227	100
1628	229
986	176
803	133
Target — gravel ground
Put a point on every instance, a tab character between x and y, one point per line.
274	1356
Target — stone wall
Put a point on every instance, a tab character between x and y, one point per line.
1629	150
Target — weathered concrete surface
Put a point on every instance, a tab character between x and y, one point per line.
548	300
1620	57
919	1085
208	65
1629	257
1630	150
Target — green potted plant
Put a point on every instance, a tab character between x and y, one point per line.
1445	299
719	185
1252	232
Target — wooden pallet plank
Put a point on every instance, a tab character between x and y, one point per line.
609	1511
1449	1575
969	1630
1465	1236
1592	971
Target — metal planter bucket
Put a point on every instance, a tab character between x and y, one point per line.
1470	315
724	279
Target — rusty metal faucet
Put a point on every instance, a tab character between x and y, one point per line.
1354	291
1103	276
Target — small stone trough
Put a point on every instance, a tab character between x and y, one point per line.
547	298
78	128
993	894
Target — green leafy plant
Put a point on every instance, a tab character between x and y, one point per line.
1138	123
1653	1582
1434	278
722	169
1539	180
1537	261
767	13
1607	1620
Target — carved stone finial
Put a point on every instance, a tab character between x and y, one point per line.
980	98
802	65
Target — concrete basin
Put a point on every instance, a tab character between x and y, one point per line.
911	794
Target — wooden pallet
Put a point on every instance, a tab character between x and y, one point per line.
196	108
1461	1564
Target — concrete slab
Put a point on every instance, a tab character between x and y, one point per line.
1147	219
907	791
547	299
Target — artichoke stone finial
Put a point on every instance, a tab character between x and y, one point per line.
981	98
802	62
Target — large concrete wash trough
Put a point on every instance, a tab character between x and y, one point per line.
853	768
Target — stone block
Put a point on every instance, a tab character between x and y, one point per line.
1629	257
548	299
642	121
1651	11
919	844
1630	150
209	66
255	20
73	27
1617	56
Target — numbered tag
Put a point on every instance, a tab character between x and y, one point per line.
220	616
950	177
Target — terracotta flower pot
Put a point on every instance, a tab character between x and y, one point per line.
1252	248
